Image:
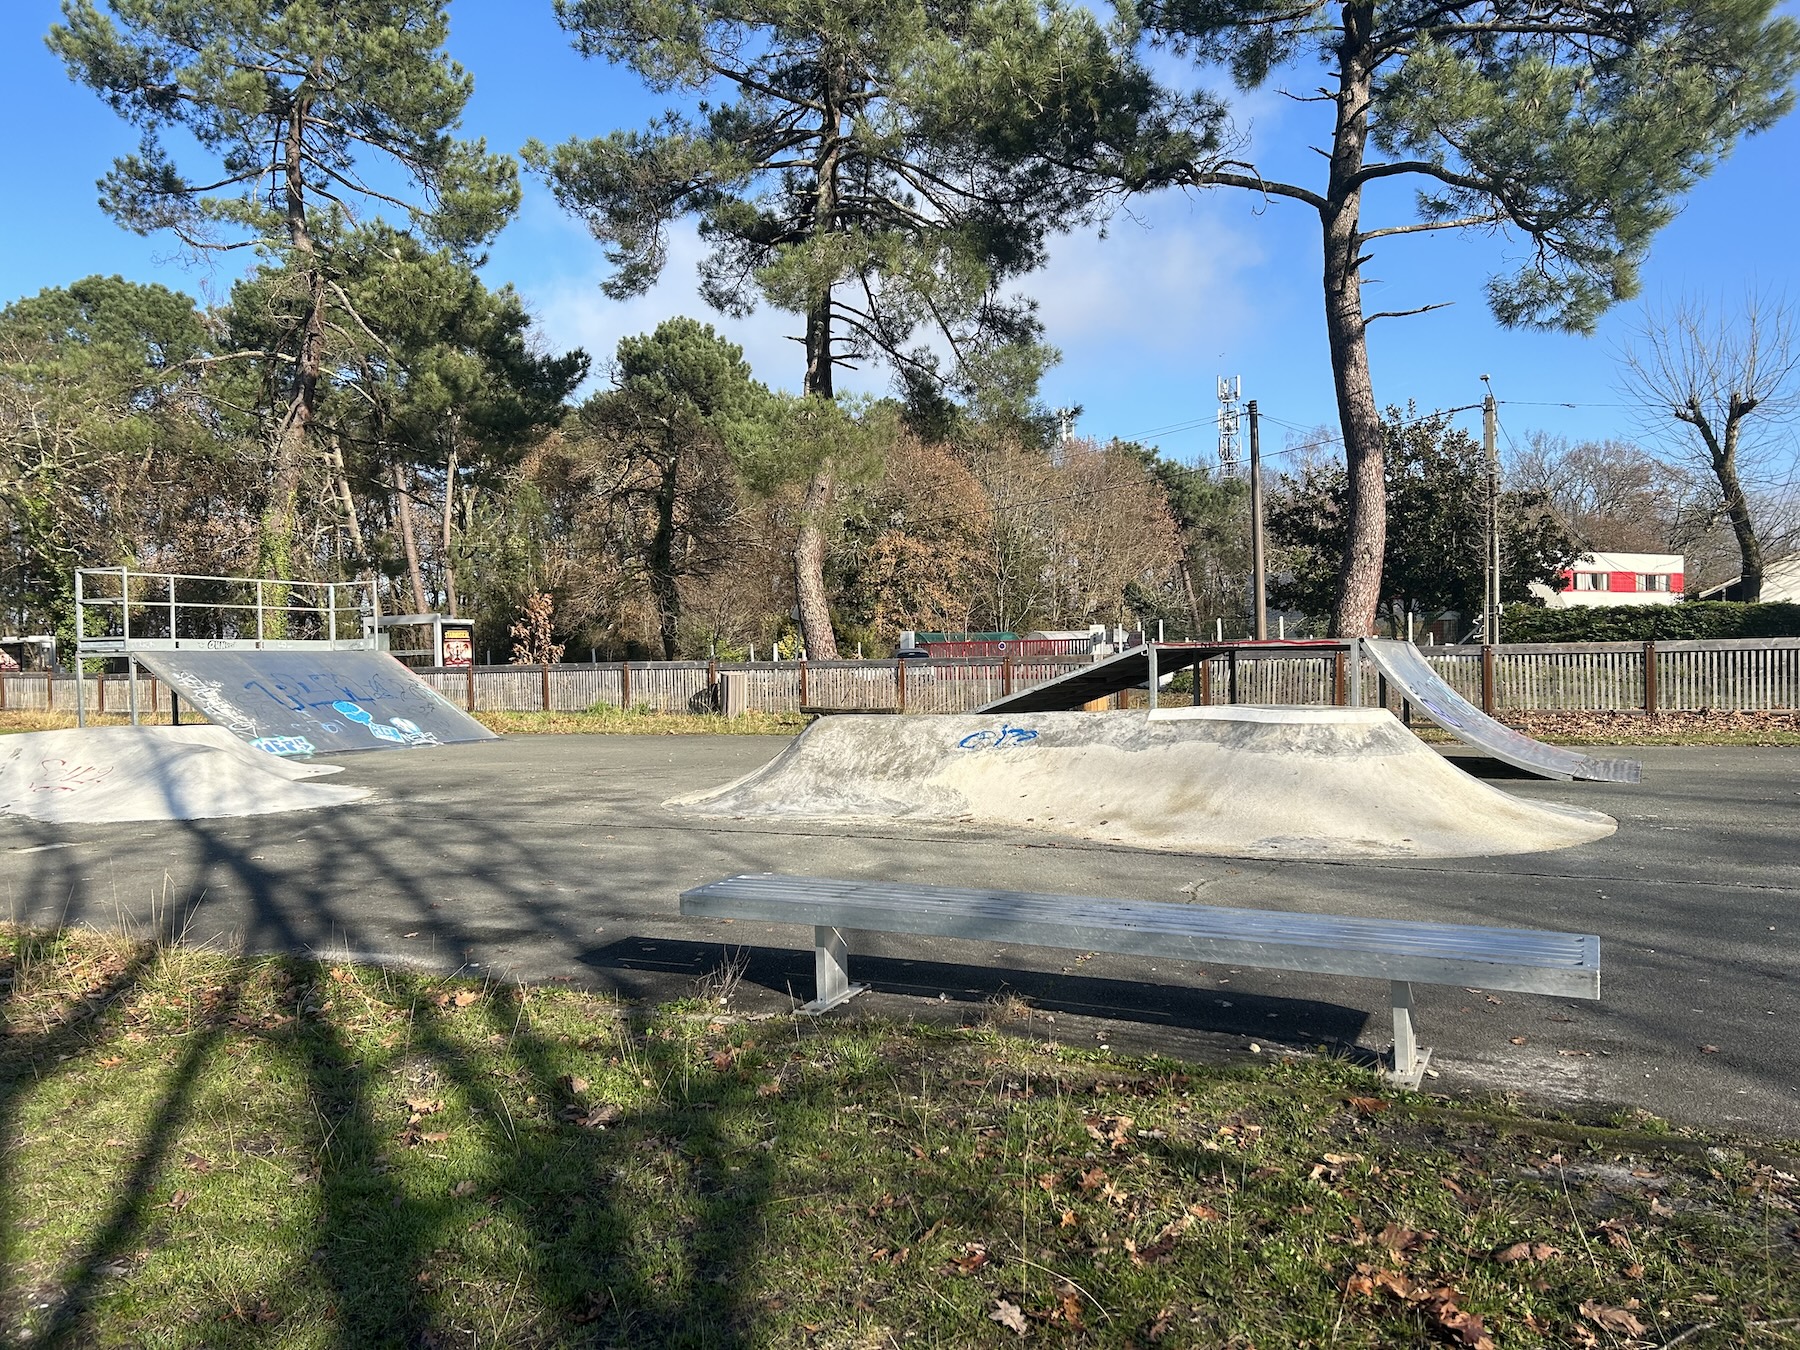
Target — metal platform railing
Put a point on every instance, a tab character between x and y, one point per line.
120	612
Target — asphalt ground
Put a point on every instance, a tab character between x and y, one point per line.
552	858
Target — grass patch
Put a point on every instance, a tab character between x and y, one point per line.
13	722
208	1150
641	721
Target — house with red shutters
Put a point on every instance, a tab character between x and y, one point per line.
1618	579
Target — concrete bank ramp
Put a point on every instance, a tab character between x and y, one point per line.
106	774
1248	781
314	702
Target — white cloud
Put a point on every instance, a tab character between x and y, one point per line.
1164	283
1153	296
572	311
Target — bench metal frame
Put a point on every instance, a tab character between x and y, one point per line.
1403	952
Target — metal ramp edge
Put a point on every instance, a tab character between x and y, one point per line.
1131	669
1412	676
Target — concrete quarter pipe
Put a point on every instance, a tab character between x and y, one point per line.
1412	676
314	703
1249	781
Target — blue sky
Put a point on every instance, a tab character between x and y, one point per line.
1179	292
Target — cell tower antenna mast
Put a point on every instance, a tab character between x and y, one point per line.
1230	442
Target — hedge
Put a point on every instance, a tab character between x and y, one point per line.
1699	621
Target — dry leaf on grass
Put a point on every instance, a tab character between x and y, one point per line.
1008	1315
1399	1239
1162	1246
1527	1251
972	1257
1114	1131
1613	1319
596	1117
1068	1311
462	1188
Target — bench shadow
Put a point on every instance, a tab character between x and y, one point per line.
781	978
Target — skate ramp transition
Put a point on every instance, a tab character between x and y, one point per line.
1412	676
106	774
1247	781
314	703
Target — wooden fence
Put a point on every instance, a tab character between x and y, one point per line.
1751	675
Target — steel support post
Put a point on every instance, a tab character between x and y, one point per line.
1409	1060
131	686
80	642
831	971
1150	660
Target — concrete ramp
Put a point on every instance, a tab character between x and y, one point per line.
1248	781
107	774
1414	679
314	703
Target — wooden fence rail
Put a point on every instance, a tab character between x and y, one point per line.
1739	676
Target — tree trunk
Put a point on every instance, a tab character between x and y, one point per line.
1737	510
340	484
809	571
1193	600
809	547
280	521
662	560
1359	578
449	525
403	507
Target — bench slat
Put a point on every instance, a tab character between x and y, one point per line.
1518	959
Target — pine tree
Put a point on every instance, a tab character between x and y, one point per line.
1577	125
879	169
296	106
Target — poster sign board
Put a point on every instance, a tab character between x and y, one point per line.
456	644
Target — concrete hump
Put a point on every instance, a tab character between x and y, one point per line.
108	774
1246	781
314	703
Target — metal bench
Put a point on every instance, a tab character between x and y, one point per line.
1524	960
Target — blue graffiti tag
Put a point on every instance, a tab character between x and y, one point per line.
997	740
283	745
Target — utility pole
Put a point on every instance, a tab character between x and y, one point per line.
1491	591
1258	581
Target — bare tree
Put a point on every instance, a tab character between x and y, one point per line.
1714	384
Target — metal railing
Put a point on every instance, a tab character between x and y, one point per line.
120	613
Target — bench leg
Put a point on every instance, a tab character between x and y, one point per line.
831	972
1409	1061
